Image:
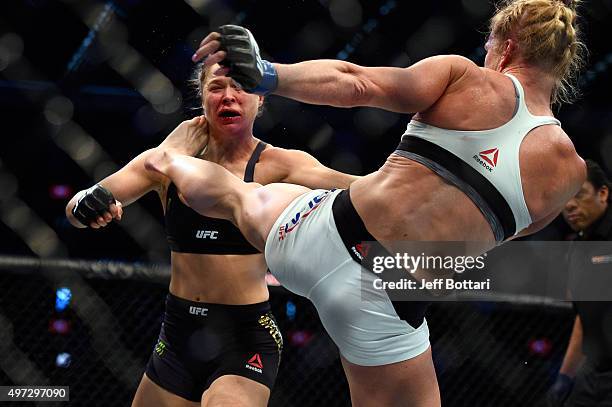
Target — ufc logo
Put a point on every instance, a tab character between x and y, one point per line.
198	311
207	234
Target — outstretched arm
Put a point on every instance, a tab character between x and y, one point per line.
98	207
102	203
343	84
332	82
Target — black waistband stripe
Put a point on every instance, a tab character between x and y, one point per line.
467	174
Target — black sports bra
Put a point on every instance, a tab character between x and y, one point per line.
189	232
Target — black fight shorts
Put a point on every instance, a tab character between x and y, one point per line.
201	342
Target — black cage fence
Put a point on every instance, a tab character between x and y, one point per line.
92	326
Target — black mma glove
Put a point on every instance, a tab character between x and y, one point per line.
92	204
246	67
559	391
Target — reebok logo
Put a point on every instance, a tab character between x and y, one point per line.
255	364
198	311
360	250
487	158
207	234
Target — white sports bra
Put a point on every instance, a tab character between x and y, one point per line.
484	164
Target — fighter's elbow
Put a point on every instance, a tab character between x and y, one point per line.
361	92
366	90
357	88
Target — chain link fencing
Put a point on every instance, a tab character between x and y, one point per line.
486	353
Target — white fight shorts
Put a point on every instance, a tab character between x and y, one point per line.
307	256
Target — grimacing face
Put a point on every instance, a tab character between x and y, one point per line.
586	207
226	106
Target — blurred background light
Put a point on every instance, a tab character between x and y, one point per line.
61	192
63	360
540	347
290	310
63	296
59	326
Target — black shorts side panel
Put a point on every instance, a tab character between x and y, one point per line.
355	236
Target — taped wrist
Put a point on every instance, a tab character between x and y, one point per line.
269	79
92	204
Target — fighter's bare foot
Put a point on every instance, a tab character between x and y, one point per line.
188	138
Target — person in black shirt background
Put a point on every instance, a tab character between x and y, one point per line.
585	376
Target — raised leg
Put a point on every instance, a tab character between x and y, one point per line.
206	187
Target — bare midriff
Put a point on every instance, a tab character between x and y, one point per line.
220	279
404	200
